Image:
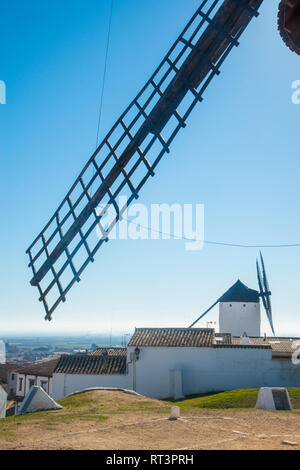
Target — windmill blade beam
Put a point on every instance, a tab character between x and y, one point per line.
205	313
138	140
265	291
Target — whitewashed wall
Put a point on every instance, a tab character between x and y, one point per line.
65	384
283	373
211	369
239	317
202	370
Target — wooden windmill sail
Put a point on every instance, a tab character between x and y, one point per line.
132	149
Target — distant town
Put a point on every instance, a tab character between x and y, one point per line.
29	350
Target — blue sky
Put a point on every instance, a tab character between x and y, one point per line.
239	156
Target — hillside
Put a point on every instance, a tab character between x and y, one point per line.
115	420
245	398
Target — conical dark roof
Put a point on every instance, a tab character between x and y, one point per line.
240	293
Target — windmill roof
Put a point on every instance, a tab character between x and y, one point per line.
239	292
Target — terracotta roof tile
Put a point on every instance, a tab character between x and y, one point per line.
172	337
109	351
278	345
44	368
91	365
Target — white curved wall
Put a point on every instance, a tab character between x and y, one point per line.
237	317
65	384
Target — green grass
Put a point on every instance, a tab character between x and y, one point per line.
244	398
84	407
110	406
79	407
77	401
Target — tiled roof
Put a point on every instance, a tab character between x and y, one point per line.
44	369
91	365
109	352
278	345
172	337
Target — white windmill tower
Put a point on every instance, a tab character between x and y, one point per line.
239	311
239	307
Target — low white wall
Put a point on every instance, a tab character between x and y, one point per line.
211	369
65	384
283	373
203	370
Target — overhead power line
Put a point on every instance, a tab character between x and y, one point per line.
104	72
209	242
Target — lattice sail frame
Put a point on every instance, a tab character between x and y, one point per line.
132	149
265	292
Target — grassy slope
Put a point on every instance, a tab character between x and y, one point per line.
81	408
86	407
244	398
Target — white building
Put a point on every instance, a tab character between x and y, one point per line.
22	378
3	401
174	362
78	372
